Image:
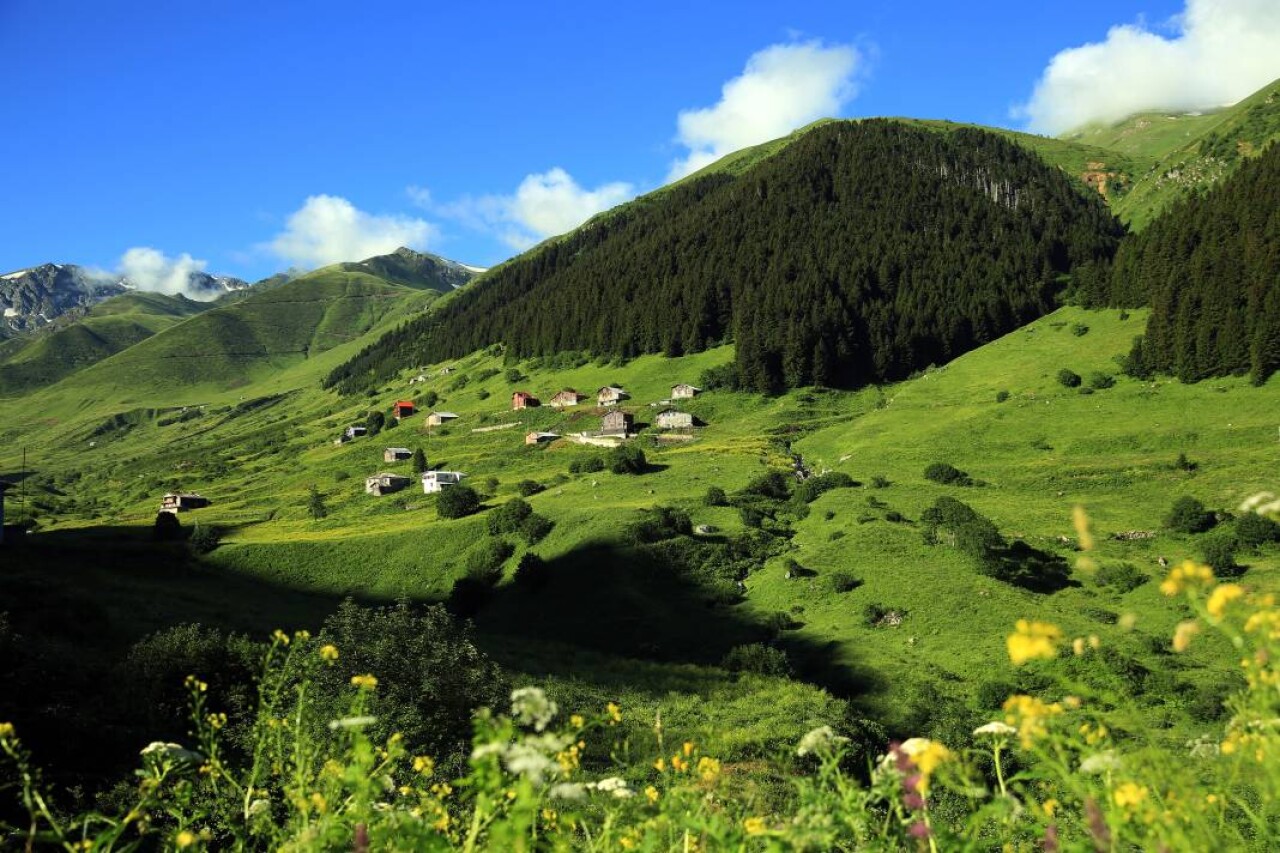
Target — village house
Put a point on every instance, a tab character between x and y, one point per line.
523	400
610	396
385	483
567	397
438	418
684	392
540	437
616	422
435	481
445	371
671	419
182	501
354	432
421	377
396	454
403	409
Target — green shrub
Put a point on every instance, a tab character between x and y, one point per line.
1188	515
513	375
628	459
1253	530
419	462
535	528
375	422
167	527
508	517
1068	378
808	491
1001	396
1182	463
457	501
315	504
757	658
1219	552
528	488
1122	577
484	561
430	399
877	615
715	497
1101	381
660	524
880	482
841	581
947	475
774	486
205	538
590	465
532	573
1079	329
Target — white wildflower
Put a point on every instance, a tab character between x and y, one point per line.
568	791
1101	762
352	723
531	707
1253	503
484	750
820	741
529	762
160	750
259	806
914	746
615	786
995	727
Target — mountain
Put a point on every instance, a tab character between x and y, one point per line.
33	297
1185	153
858	252
418	270
80	338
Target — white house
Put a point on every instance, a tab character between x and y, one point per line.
671	419
435	481
438	418
355	431
396	454
684	391
611	396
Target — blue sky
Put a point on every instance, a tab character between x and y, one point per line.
250	137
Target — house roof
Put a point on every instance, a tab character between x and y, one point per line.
401	403
567	391
444	414
387	475
397	450
522	394
686	385
458	474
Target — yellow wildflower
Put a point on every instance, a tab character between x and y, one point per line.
319	803
678	764
755	826
195	684
708	768
1029	714
1129	795
329	653
442	823
614	712
1080	519
1264	622
280	637
1050	806
660	765
7	730
627	842
926	755
1077	646
577	721
1183	633
1221	597
424	764
184	839
651	794
687	748
364	682
1033	640
1184	575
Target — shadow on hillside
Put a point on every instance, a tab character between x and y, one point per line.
626	601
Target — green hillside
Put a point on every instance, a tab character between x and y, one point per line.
106	329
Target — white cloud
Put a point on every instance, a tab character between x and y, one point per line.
783	87
544	205
1220	51
328	229
151	269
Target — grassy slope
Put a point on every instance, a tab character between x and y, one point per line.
1040	452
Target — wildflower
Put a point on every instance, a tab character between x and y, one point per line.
820	741
1029	715
1094	642
755	826
524	759
1129	795
678	763
927	755
318	802
708	768
568	791
651	794
217	721
919	829
352	723
193	683
7	730
171	751
1221	597
1077	646
1049	806
424	764
660	765
329	653
531	707
1184	575
614	712
1254	503
1101	762
365	682
577	721
1080	519
1032	641
185	839
442	823
1183	633
280	637
615	786
995	727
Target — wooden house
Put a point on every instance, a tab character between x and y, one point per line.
396	454
567	397
523	400
671	419
435	481
355	431
182	501
403	409
385	483
684	391
616	422
611	396
438	418
540	437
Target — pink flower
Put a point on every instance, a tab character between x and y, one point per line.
918	830
912	782
913	801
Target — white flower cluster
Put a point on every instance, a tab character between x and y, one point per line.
1263	503
821	741
531	707
161	751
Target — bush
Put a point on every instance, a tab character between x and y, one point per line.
484	561
374	422
1068	378
535	528
468	597
457	501
1220	554
1182	463
1079	329
205	538
842	581
876	615
589	465
419	462
757	658
430	399
773	485
1101	381
715	497
508	517
1188	515
532	573
716	378
1001	396
513	375
1138	363
880	482
660	524
528	488
808	491
1252	530
947	475
1122	577
167	527
751	517
315	504
627	459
